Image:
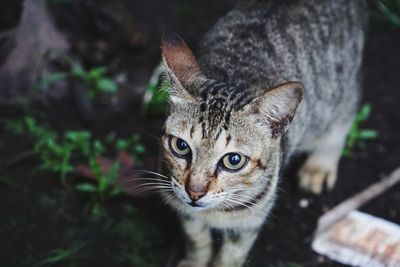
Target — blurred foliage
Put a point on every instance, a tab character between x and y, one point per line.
61	153
157	99
95	80
156	96
389	11
357	135
142	244
61	255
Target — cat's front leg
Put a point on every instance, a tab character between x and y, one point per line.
235	246
320	169
198	244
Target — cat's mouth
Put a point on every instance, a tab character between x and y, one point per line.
195	205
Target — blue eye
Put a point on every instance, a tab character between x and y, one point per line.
233	161
179	146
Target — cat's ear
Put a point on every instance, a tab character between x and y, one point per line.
181	65
278	106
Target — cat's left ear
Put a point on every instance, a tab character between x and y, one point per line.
278	106
181	65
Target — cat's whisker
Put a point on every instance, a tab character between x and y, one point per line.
241	204
248	200
154	184
169	199
145	178
229	207
145	189
241	188
250	205
150	172
242	196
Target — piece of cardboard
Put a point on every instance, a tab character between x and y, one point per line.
360	239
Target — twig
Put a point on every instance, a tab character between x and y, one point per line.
16	159
374	190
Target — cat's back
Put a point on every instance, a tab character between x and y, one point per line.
265	39
316	42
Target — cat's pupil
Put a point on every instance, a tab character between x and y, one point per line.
234	159
182	145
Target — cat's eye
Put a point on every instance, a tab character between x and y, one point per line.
179	146
233	161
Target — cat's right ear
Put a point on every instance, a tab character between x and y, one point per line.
182	67
277	107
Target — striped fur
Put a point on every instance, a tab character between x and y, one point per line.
238	98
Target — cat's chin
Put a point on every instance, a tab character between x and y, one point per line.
196	207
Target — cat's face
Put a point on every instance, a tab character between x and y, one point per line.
213	166
220	145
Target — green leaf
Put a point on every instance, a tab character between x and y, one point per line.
107	85
97	72
364	112
50	78
156	98
389	14
367	134
57	256
139	149
357	134
98	147
121	144
86	187
346	152
113	173
77	136
14	126
115	192
78	72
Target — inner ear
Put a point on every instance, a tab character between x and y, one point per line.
278	106
180	60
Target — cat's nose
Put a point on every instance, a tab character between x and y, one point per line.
195	195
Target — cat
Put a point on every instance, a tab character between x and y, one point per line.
263	67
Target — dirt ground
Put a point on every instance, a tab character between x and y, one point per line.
38	216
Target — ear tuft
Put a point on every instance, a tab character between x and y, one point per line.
279	106
171	38
179	59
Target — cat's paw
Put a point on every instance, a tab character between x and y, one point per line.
313	177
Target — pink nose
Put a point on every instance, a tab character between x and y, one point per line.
195	195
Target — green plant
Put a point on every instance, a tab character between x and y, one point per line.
132	144
94	79
54	156
156	95
139	238
60	255
357	135
389	11
105	187
60	154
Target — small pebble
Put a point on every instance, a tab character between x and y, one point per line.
304	203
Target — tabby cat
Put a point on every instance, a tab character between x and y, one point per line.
265	66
